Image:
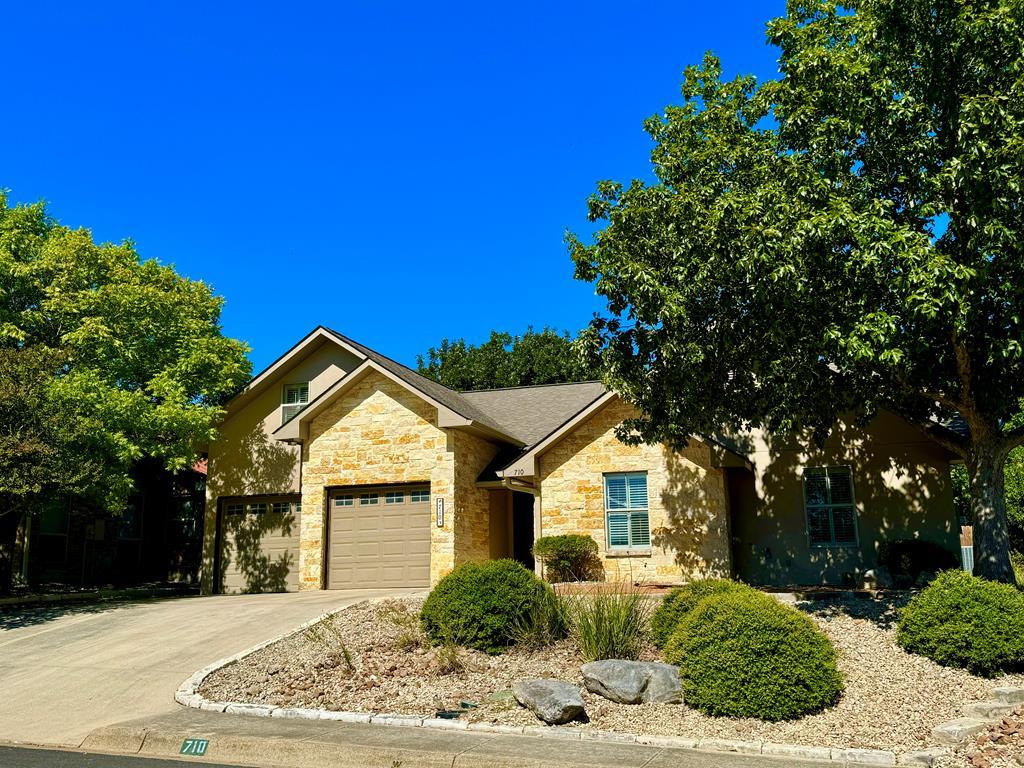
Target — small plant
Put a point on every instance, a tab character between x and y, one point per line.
907	559
570	557
329	637
410	635
609	624
681	600
743	654
1017	559
960	620
448	658
485	601
544	624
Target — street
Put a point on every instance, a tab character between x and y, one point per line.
23	757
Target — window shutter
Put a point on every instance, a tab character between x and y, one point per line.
840	486
637	491
288	412
618	530
817	525
844	525
615	492
815	487
640	530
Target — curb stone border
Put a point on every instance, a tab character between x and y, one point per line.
188	695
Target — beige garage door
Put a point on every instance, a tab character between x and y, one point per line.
259	546
379	538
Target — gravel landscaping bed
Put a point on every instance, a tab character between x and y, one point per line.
370	658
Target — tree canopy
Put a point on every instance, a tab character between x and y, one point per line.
504	360
845	238
115	359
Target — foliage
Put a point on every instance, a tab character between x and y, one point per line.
743	654
133	355
479	605
844	239
960	620
608	624
504	360
1017	559
907	559
406	622
543	624
681	600
1013	494
569	557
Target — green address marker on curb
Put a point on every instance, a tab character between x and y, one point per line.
194	747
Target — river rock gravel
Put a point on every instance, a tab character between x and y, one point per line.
371	657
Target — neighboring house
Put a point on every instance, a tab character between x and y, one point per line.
340	468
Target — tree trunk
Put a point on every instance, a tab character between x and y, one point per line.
9	523
988	508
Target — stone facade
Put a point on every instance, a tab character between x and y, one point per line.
378	433
687	500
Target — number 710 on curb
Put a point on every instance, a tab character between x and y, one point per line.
194	747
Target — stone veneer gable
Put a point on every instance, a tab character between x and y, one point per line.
686	496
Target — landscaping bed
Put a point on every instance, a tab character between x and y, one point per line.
371	658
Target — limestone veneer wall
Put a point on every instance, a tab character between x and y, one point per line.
686	495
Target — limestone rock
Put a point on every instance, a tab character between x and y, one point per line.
633	682
553	701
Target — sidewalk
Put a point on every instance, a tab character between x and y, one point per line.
271	741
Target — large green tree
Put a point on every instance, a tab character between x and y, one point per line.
104	360
847	237
504	360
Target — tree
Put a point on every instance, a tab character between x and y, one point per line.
104	360
504	360
1013	494
847	237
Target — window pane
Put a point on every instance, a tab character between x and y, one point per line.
257	509
817	526
637	488
233	509
844	525
419	495
618	530
840	485
639	530
815	487
368	498
343	501
394	498
615	492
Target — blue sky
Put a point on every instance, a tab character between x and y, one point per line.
399	172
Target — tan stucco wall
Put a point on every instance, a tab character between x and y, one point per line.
901	487
245	460
686	496
377	433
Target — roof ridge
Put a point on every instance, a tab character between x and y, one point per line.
530	386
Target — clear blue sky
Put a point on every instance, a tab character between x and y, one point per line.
399	172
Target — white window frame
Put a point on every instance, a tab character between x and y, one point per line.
345	500
292	405
369	499
394	497
629	511
830	507
419	496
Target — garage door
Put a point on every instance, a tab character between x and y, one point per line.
379	538
259	546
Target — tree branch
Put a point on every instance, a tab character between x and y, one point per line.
945	437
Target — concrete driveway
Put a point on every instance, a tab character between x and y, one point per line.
67	670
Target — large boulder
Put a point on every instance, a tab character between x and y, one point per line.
553	701
634	682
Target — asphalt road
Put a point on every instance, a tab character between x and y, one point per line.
20	757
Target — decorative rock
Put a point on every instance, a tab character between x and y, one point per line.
553	701
988	710
633	682
1009	695
956	731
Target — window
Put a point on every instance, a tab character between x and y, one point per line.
420	495
234	509
293	400
625	505
831	511
368	498
256	509
343	501
130	523
394	497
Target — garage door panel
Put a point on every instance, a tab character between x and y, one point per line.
259	547
380	545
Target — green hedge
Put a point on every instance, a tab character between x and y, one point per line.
481	605
960	620
681	600
743	654
570	557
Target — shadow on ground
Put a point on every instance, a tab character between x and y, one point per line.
882	611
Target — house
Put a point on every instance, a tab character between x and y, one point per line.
337	467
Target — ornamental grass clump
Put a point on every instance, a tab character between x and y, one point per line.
961	620
681	600
608	624
481	604
743	654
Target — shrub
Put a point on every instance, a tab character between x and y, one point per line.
681	600
1017	560
960	620
608	625
907	559
544	623
743	654
480	604
572	557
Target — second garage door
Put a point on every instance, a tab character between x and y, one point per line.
379	538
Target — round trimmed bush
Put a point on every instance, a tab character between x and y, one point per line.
681	600
743	654
569	557
960	620
480	605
